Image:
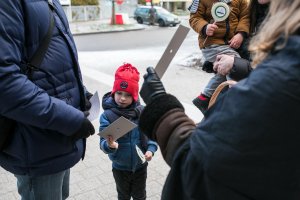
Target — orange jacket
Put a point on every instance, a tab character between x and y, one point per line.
238	21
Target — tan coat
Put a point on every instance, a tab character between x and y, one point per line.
238	21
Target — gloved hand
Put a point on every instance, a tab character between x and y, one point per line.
152	86
86	129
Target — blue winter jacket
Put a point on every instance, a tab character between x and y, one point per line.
48	107
125	157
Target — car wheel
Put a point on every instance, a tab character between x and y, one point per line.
161	23
139	20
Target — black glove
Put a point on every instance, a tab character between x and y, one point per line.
88	104
86	129
152	86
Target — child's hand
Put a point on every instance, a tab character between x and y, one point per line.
148	155
112	143
210	29
236	41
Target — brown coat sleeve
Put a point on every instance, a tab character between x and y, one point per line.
173	128
238	21
164	121
199	19
244	20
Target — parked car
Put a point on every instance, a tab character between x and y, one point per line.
142	14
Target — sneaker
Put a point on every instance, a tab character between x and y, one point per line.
201	102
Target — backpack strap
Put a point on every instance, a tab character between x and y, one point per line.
37	58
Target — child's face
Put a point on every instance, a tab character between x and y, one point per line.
123	99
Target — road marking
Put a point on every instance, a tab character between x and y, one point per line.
108	80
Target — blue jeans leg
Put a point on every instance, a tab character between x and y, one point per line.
212	85
49	187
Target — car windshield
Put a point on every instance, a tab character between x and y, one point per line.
162	11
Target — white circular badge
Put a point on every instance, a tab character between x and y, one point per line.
220	11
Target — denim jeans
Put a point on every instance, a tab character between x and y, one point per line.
210	53
214	82
131	184
49	187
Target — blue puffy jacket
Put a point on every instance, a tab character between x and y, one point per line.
125	157
48	107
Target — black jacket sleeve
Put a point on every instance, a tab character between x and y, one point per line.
241	69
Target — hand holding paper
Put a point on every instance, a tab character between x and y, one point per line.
118	128
148	155
111	142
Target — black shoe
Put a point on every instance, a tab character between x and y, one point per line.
208	67
201	102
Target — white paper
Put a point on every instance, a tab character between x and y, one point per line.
95	109
118	128
140	154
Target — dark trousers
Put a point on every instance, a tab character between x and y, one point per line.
131	184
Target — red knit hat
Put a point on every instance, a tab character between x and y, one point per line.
127	79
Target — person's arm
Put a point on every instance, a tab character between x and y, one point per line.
241	69
237	68
21	99
88	96
151	149
152	146
197	20
104	122
244	19
163	114
236	41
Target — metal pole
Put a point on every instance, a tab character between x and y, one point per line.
113	17
152	17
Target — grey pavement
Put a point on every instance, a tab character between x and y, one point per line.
92	178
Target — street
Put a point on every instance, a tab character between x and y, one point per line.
151	36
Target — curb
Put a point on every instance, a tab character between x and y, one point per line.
84	29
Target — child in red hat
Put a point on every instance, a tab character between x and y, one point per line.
129	170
